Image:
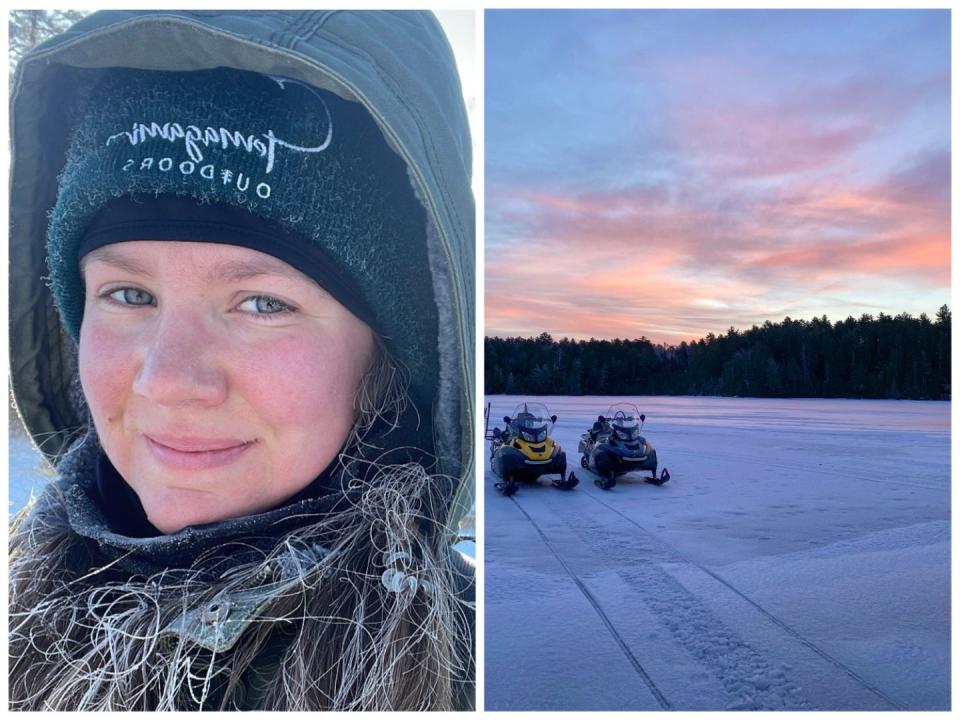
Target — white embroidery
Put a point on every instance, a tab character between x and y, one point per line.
209	171
273	141
193	136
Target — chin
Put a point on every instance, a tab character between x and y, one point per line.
174	509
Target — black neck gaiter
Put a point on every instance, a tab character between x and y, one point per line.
124	512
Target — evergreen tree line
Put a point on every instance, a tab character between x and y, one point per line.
871	357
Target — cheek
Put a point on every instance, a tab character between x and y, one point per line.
107	368
308	382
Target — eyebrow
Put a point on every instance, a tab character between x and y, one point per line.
229	271
120	261
234	270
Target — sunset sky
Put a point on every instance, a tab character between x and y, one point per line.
672	173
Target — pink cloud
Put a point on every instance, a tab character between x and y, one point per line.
622	264
924	255
760	141
602	293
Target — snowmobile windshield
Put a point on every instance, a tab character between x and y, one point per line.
624	419
531	421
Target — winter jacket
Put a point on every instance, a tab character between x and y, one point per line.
278	610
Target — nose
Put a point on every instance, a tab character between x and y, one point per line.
182	365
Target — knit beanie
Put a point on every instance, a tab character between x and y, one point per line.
258	151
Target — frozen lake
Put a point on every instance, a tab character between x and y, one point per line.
799	559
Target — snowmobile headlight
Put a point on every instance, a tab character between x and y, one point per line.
534	434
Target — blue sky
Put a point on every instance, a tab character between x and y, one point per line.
672	173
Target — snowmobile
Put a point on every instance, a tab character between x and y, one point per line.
614	446
524	450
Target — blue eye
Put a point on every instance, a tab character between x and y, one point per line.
132	296
264	305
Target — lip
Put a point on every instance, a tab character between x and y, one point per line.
194	453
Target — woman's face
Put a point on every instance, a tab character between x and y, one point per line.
220	379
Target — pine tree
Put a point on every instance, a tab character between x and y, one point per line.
871	357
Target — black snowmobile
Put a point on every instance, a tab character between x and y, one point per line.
614	446
524	450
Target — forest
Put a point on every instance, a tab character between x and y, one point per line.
887	357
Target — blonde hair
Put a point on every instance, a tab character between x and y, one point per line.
381	398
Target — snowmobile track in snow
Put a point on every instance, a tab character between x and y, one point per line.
770	616
748	679
661	698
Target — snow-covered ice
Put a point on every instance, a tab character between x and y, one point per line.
28	472
798	559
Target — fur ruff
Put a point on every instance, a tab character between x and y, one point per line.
364	610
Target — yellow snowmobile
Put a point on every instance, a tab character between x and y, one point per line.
524	450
